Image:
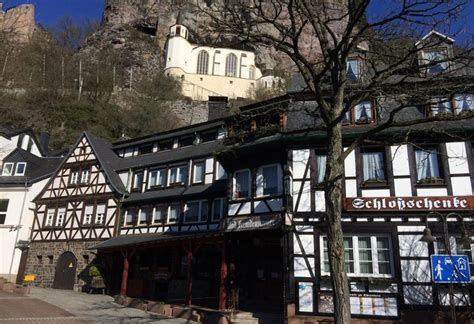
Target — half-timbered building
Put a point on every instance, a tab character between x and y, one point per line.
77	209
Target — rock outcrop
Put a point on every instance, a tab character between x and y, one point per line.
18	23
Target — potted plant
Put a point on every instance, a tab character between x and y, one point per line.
97	281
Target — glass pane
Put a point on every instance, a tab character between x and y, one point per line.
366	267
183	174
270	181
174	214
242	184
427	166
192	213
3	205
204	211
174	175
321	167
374	166
199	172
162	178
217	209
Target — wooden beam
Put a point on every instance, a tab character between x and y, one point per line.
223	279
123	287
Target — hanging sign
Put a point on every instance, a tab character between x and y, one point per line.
374	204
249	223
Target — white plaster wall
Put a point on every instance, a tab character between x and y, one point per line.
400	160
457	157
461	186
300	160
350	165
432	192
6	146
403	187
376	193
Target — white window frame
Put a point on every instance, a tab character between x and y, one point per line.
7	165
200	215
140	212
135	176
222	208
88	217
158	172
355	249
61	216
260	184
74	177
125	219
178	174
165	219
195	164
100	215
202	66
24	169
85	176
4	213
231	65
168	220
234	184
220	171
50	213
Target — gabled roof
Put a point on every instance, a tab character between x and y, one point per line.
37	168
434	33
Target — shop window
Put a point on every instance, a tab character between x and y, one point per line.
100	217
178	174
175	213
428	166
268	180
60	217
218	208
157	178
160	214
373	164
7	169
196	211
365	256
198	172
3	210
242	184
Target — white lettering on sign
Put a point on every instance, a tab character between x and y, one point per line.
410	203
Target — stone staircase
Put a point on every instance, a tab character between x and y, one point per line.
255	318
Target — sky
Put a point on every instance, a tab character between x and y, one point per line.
48	12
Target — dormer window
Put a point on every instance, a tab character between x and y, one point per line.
353	69
464	103
440	106
20	169
7	169
362	113
436	61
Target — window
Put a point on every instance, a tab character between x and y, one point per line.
175	212
85	176
427	165
242	184
196	211
231	65
50	217
100	214
268	180
88	215
440	106
7	169
252	72
198	172
161	214
218	208
144	214
365	255
436	61
165	145
202	62
138	181
157	178
20	169
60	217
131	217
373	163
363	112
220	172
145	149
352	66
463	103
178	174
3	210
74	178
320	168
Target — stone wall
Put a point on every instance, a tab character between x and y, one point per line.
189	112
43	256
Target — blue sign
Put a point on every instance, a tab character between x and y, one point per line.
450	269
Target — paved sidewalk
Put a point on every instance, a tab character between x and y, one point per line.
97	308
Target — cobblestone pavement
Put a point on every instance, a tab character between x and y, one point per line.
95	308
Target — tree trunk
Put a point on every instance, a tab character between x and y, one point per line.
334	193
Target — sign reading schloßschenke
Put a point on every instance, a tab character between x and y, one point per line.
368	204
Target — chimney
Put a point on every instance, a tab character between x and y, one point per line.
217	107
44	142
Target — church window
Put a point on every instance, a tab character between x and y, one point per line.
252	72
202	62
231	65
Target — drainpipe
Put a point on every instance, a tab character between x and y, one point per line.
18	228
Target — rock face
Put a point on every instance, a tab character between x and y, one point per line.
18	22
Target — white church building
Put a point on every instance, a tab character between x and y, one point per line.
212	71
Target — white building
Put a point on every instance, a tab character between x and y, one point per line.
24	172
211	71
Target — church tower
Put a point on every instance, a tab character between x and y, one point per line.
177	45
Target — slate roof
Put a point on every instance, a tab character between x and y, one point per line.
8	131
37	168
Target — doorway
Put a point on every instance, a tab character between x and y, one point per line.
65	275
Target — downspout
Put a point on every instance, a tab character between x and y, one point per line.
18	228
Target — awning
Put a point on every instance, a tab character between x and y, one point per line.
153	238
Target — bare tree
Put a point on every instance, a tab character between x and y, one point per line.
320	36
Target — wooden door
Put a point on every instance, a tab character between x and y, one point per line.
65	274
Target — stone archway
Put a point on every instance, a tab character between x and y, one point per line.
65	274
